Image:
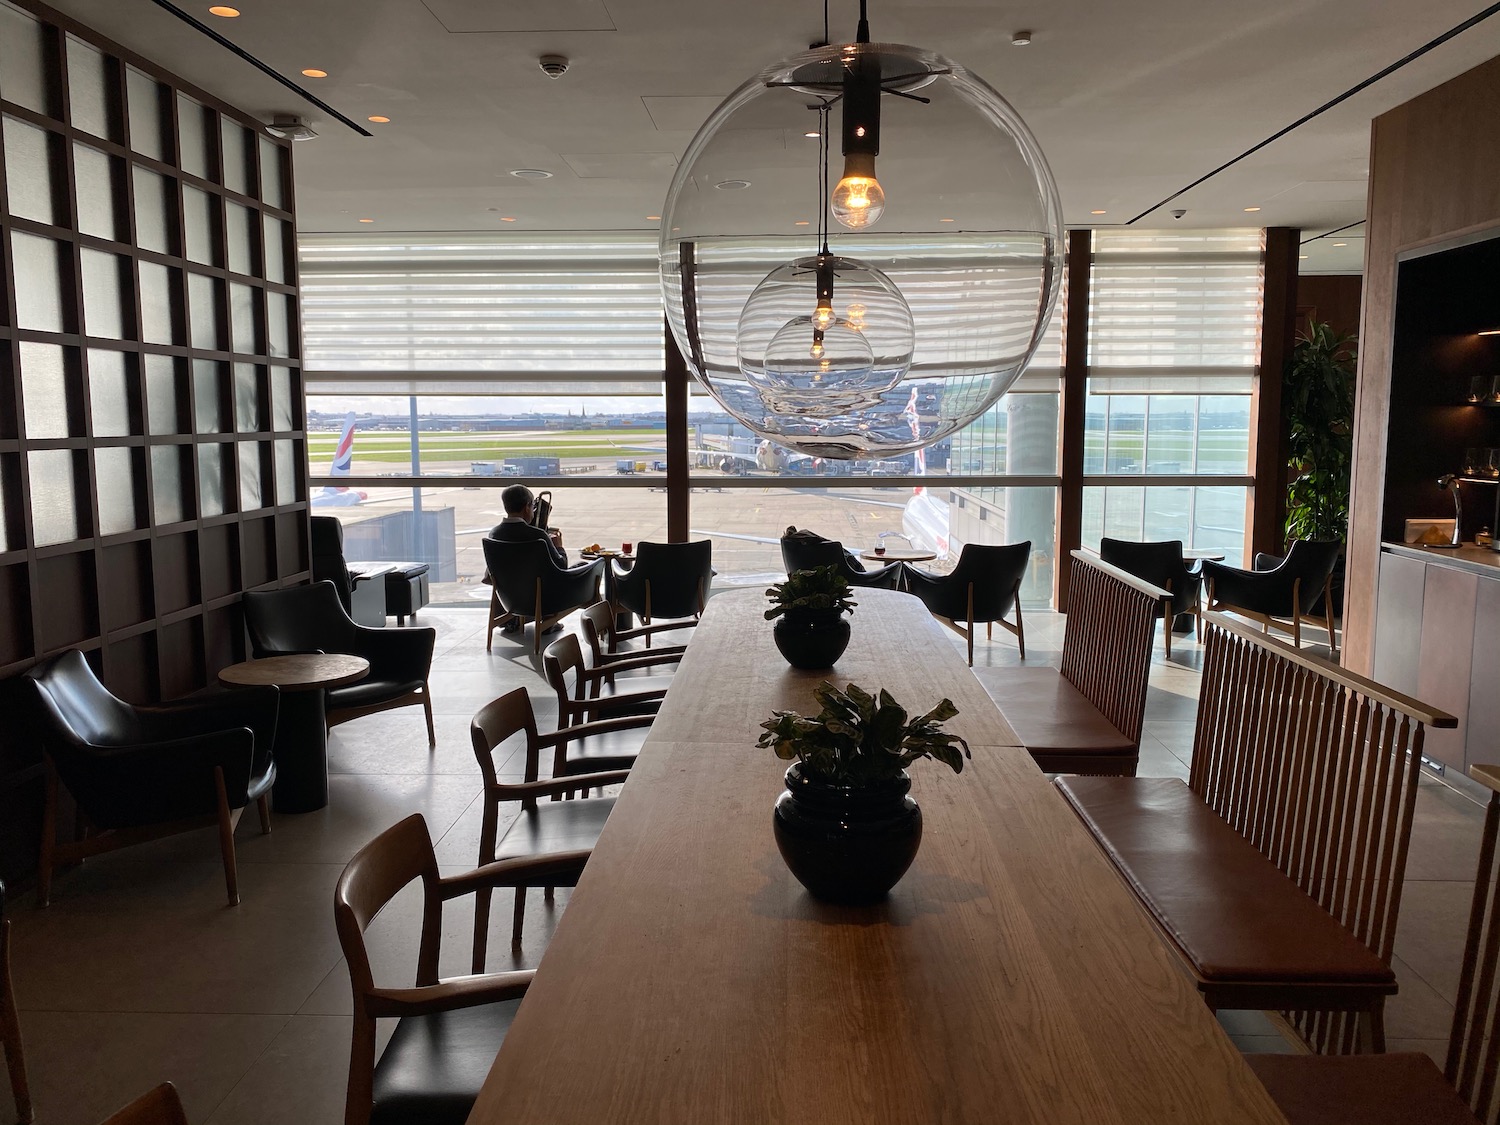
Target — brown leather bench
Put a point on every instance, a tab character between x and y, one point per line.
1085	715
1276	871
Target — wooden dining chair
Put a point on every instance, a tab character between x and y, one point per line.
601	632
1382	1089
605	726
449	1030
546	824
160	1106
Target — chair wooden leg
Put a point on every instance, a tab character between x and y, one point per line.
10	1032
519	919
1020	625
360	1096
1371	1033
226	839
427	707
1167	621
489	636
49	840
488	828
1333	643
263	806
969	623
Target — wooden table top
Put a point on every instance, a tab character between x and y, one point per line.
300	672
896	554
1010	977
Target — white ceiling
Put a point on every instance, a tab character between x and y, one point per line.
1130	99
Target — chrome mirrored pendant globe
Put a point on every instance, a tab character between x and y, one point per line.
940	269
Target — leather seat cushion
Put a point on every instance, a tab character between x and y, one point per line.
1234	915
556	826
1050	715
362	693
434	1065
1395	1089
403	570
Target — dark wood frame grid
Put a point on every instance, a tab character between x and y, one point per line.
153	602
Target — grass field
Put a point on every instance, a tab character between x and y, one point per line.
395	449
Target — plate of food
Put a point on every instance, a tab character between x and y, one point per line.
595	551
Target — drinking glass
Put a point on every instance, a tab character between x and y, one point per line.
1495	389
625	548
1472	464
1479	388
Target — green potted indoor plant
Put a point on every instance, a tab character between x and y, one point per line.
812	631
847	825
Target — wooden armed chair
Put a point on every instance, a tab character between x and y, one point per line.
160	1106
601	631
984	587
546	825
449	1030
1407	1086
591	720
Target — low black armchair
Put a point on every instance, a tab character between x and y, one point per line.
306	619
140	773
1161	564
806	550
1279	592
667	587
530	586
984	587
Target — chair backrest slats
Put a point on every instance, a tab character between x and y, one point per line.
1317	768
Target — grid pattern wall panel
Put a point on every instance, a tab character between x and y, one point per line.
149	327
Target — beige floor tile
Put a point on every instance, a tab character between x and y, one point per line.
1417	1011
1431	931
300	1079
85	1065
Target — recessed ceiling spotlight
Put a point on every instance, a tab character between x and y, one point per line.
314	72
1302	257
1020	39
379	120
945	220
653	218
812	134
367	220
1098	212
531	174
732	185
802	223
507	218
224	10
1249	210
1341	244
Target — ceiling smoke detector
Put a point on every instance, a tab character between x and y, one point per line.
553	66
290	126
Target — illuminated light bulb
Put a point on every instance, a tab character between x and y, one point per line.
816	351
858	200
823	315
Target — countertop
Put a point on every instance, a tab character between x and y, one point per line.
1479	560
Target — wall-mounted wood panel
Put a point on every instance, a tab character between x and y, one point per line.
140	491
1434	175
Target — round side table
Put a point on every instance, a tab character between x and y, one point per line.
301	747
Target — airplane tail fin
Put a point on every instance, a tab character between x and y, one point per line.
344	453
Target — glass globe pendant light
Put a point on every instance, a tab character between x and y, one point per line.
938	281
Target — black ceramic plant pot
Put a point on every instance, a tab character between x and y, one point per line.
847	844
812	639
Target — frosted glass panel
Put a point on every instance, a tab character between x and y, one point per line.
286	472
147	134
271	173
275	249
239	160
278	331
248	415
168	503
241	236
49	391
100	189
6	473
24	55
249	476
111	393
154	218
242	318
54	505
203	312
115	475
90	91
161	320
200	225
192	132
211	480
39	303
166	380
105	293
208	397
33	171
283	409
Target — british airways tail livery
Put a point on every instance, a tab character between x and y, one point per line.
339	497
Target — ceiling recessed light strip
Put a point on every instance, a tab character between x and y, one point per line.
379	120
313	72
223	11
270	72
1459	29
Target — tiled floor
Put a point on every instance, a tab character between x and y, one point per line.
139	973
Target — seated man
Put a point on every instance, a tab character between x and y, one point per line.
516	527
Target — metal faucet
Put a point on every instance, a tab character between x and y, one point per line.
1450	481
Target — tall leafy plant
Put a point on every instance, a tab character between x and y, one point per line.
1318	401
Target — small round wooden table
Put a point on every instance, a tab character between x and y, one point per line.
896	554
301	747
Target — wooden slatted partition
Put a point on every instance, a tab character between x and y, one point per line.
1107	643
1317	768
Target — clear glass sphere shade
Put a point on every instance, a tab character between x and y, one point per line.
980	289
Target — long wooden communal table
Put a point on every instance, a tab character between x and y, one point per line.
1010	978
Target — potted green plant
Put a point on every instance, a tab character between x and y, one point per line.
812	632
847	825
1317	396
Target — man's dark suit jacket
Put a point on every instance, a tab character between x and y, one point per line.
514	531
